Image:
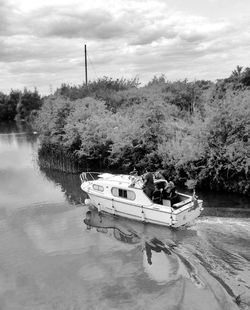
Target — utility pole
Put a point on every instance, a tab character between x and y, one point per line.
86	69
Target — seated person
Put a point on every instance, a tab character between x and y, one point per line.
157	196
169	193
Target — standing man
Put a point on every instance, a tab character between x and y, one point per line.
148	184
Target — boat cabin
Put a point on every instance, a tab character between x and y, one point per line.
129	189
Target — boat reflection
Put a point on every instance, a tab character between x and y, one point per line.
161	248
104	224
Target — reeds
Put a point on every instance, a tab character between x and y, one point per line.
56	158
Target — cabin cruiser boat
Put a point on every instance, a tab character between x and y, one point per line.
123	195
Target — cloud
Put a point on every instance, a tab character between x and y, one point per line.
97	24
11	20
126	38
23	48
5	20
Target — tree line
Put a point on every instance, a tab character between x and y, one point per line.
19	105
191	130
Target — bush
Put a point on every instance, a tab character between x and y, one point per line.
197	130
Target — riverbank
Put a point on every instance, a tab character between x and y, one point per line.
190	130
52	158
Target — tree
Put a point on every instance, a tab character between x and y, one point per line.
28	102
245	79
237	73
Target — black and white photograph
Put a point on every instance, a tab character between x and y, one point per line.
124	155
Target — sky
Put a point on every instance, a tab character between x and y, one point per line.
42	42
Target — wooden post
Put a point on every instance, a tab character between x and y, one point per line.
86	68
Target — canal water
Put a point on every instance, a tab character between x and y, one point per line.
51	257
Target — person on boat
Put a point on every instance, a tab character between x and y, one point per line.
169	193
133	176
159	175
148	184
134	172
157	195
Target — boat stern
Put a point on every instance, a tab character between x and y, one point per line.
187	213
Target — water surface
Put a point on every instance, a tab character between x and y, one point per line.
57	255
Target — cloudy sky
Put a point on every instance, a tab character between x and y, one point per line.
42	41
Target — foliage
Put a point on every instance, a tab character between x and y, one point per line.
87	129
4	111
52	118
19	105
8	105
102	88
241	76
193	130
228	143
28	102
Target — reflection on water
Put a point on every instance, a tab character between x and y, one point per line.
21	182
185	260
69	183
51	259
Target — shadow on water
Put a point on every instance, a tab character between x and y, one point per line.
220	204
14	127
70	184
171	257
21	134
226	212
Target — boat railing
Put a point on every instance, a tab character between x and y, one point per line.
89	176
135	180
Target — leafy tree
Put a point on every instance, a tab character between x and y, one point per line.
101	88
8	105
194	130
87	129
245	79
51	118
3	107
28	101
13	100
237	73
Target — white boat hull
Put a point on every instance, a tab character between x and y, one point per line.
154	214
142	209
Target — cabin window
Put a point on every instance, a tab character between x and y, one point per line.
98	188
130	195
123	193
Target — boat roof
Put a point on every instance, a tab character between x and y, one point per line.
117	178
124	179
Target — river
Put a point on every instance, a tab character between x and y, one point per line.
50	259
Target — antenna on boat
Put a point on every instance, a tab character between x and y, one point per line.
86	67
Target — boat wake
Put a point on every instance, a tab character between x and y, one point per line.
209	259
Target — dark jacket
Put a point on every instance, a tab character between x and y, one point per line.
148	184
